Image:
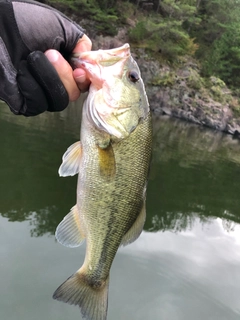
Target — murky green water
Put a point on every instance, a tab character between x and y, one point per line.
185	265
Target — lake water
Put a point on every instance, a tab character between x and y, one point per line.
186	263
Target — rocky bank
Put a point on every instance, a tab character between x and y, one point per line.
181	92
178	92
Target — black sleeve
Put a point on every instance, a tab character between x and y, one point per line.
28	82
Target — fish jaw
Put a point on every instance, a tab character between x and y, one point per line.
104	57
93	62
116	103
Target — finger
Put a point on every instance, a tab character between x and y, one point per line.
83	44
65	73
81	79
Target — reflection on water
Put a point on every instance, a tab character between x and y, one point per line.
186	263
195	172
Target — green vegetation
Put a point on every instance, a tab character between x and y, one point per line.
164	80
103	14
165	39
218	36
171	29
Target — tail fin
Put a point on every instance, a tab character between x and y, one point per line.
93	302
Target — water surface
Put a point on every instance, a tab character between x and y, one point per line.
186	263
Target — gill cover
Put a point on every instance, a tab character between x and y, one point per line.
117	100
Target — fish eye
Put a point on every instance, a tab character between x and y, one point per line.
133	76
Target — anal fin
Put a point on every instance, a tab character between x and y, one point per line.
136	229
69	231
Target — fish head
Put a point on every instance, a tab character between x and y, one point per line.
117	100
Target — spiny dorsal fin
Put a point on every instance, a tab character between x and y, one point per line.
69	231
71	158
136	229
107	165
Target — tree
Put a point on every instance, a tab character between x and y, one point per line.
218	38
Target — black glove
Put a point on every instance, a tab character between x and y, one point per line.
29	84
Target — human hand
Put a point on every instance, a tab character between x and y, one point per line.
29	82
74	81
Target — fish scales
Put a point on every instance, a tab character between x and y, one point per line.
122	198
112	161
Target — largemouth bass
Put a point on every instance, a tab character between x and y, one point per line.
112	161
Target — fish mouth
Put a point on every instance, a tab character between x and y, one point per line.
101	65
106	69
101	57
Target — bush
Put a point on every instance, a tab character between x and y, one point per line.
165	38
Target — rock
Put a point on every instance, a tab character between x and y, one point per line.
195	104
180	93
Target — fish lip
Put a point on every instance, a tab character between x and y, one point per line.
78	60
111	52
93	63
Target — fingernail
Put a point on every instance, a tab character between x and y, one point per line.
81	78
52	55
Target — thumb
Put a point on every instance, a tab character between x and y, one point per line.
65	73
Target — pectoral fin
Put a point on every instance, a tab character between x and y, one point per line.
69	231
71	159
136	229
107	165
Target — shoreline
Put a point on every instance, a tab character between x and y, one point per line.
177	92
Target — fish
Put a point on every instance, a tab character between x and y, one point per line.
112	160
